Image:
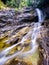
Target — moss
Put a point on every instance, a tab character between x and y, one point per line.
2	6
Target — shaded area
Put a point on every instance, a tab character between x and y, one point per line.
4	1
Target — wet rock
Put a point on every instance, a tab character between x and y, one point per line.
44	44
17	62
14	26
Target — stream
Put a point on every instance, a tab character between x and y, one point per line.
33	44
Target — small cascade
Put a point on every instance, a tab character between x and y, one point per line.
40	15
33	44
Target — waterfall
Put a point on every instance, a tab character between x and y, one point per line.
33	44
35	32
40	15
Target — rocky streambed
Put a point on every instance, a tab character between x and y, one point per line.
14	26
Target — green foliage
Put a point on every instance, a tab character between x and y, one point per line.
30	2
23	3
13	3
16	3
2	6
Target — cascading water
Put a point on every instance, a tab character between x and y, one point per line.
33	44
